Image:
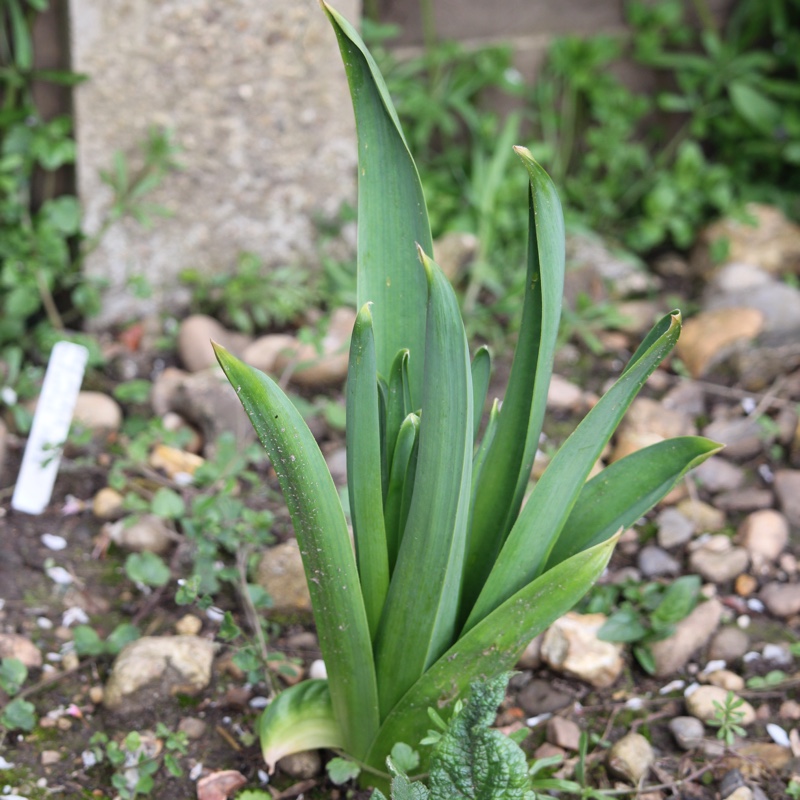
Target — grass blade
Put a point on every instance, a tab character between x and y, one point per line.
420	614
324	541
397	405
531	539
500	486
493	645
626	490
364	468
391	213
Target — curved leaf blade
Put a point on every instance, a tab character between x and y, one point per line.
324	541
528	546
419	619
391	212
493	645
299	718
364	468
626	490
509	458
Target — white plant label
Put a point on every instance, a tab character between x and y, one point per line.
50	427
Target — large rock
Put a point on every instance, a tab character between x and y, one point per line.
691	633
209	401
570	645
194	342
267	135
324	363
772	243
154	668
281	573
710	336
787	487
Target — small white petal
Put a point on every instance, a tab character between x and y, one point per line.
53	542
778	735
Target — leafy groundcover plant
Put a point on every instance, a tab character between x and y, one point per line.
451	575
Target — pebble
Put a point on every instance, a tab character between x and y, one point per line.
280	572
531	656
454	251
688	732
765	534
337	465
193	727
173	461
207	400
70	661
655	562
743	437
50	757
315	368
570	645
674	528
264	351
301	766
195	335
741	793
700	704
718	560
220	785
631	758
96	694
563	395
790	709
163	388
152	669
107	504
706	518
726	679
778	654
735	276
563	733
14	645
687	395
188	625
97	412
710	336
781	599
646	422
148	533
540	697
787	488
691	633
718	475
749	499
745	584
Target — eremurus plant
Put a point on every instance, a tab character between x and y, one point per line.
449	580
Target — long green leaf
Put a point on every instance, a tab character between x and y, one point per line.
299	718
401	483
324	542
500	486
481	374
492	646
364	468
420	613
626	490
528	546
397	402
391	213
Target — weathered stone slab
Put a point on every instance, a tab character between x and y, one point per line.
256	95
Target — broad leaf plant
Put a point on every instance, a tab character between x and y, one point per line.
451	575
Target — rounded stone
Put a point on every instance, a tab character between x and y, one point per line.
718	561
14	645
107	504
152	669
631	758
301	766
194	341
688	732
264	351
281	573
765	534
148	533
701	704
98	412
781	599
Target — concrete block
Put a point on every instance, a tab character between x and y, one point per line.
257	97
